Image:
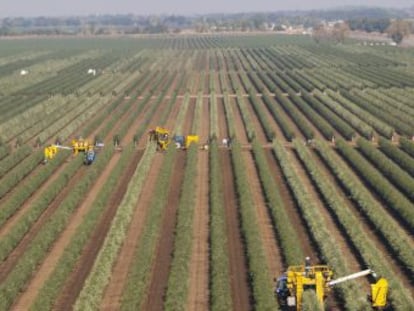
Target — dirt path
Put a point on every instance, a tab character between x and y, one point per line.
10	262
240	291
267	233
48	265
165	247
198	296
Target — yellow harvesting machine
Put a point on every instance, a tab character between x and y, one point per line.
78	145
81	145
50	152
291	286
161	136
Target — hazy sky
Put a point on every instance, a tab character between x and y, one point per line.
85	7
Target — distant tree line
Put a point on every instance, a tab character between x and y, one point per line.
369	24
367	19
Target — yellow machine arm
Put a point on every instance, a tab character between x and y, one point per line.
379	290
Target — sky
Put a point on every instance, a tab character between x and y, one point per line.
25	8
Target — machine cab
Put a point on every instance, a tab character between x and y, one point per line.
281	289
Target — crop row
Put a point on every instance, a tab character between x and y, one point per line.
351	226
379	113
356	122
53	285
398	156
391	232
380	126
263	295
262	116
92	291
13	159
388	168
177	288
285	231
139	276
14	176
407	145
320	123
396	201
325	241
220	298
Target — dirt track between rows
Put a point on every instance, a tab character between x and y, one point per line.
165	248
240	291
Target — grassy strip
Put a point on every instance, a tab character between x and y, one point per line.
220	294
140	273
10	241
394	199
351	226
90	296
388	168
177	289
286	233
51	288
259	274
317	227
29	187
40	245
